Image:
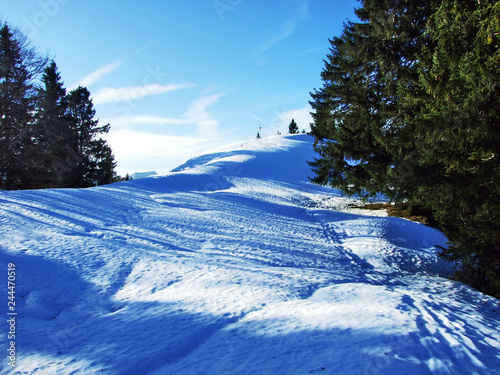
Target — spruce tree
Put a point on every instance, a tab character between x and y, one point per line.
362	134
56	136
47	138
95	165
20	66
459	129
293	128
105	164
348	117
410	107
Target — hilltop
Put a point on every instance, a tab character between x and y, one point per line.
234	263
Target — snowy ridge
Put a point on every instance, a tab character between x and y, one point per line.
233	264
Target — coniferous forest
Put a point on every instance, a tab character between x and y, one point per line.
48	137
410	107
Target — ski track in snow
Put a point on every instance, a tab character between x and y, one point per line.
233	264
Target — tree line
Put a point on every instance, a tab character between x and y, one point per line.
48	137
410	107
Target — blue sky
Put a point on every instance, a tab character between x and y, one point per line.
175	78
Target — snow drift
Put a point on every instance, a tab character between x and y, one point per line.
233	263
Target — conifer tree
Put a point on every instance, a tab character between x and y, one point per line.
47	138
293	128
20	66
56	136
410	107
363	136
105	164
459	129
96	163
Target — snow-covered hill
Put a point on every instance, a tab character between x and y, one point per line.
232	264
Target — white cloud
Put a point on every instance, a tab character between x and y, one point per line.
197	115
287	29
302	117
130	93
310	51
98	74
281	120
103	71
138	151
259	119
145	120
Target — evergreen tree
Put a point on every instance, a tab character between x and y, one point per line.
348	117
362	134
54	129
410	108
293	128
47	138
96	163
20	66
105	162
459	129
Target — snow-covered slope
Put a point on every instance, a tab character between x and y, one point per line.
232	264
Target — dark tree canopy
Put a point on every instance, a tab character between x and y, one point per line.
293	127
48	138
53	128
410	107
91	150
20	66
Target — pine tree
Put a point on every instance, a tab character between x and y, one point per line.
20	65
293	128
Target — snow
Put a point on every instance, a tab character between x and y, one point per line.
139	175
233	263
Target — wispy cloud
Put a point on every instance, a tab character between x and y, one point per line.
197	115
258	119
98	74
141	150
287	28
126	121
310	50
139	147
122	94
103	71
